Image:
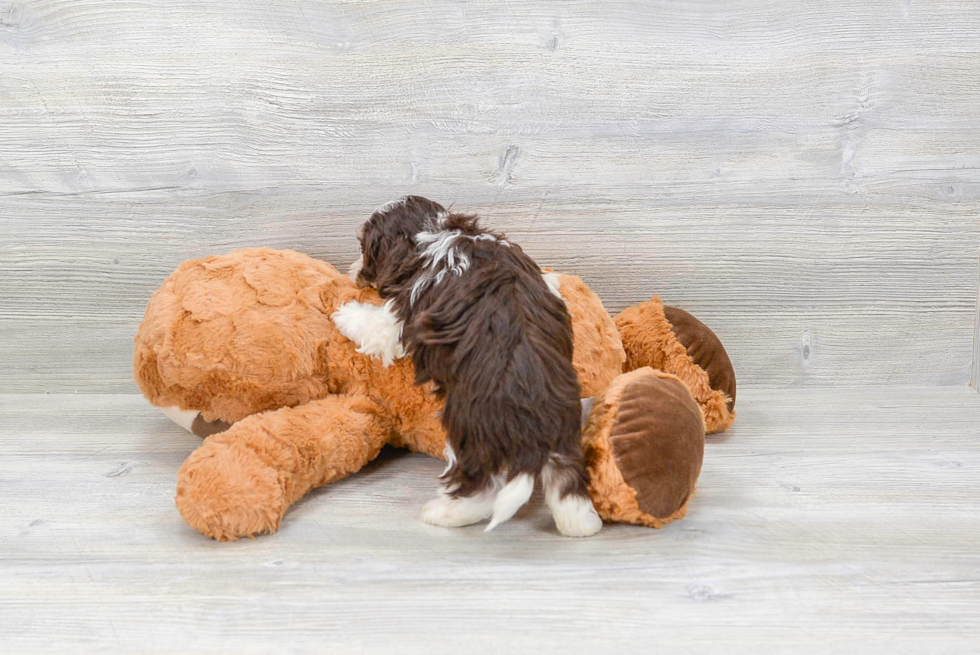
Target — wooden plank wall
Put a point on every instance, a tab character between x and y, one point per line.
975	372
802	176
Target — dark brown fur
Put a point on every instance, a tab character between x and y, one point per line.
494	339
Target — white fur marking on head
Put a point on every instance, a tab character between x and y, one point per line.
182	417
438	249
440	254
375	329
553	280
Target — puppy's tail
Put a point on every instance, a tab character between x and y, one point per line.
510	499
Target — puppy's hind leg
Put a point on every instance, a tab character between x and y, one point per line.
450	511
567	498
456	511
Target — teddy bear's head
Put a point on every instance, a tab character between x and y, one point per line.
237	334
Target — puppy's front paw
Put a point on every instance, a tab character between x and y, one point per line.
375	329
449	512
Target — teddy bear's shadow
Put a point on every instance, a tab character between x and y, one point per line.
393	474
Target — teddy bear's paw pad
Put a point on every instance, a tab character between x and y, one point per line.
644	449
449	512
706	351
576	517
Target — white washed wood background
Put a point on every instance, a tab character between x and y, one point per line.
801	175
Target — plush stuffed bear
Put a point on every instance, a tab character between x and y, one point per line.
243	349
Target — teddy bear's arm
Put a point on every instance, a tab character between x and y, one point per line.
240	482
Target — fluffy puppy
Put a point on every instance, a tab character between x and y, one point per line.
484	327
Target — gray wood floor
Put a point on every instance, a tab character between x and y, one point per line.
826	521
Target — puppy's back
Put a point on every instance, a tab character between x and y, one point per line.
498	343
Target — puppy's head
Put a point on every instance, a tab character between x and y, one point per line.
388	239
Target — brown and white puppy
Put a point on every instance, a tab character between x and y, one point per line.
482	324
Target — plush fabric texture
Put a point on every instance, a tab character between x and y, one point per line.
234	335
644	444
649	340
705	349
242	481
599	355
658	442
237	334
246	340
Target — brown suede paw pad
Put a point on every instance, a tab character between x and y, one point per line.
705	349
644	447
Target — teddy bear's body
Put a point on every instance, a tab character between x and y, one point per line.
246	345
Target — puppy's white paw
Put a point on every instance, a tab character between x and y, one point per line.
376	330
576	517
449	512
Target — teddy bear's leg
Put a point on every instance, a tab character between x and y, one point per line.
674	341
643	442
240	482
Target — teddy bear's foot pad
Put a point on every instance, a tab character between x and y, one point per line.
644	445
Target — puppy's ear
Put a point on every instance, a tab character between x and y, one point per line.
396	266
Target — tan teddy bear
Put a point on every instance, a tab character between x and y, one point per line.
242	349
